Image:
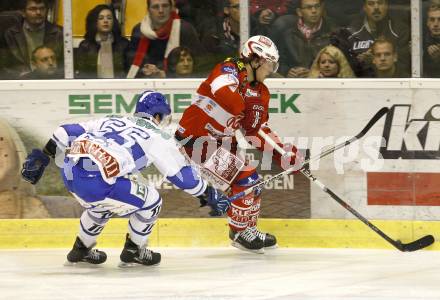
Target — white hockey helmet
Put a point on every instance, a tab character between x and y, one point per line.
262	47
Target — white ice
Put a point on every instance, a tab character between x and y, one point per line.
227	273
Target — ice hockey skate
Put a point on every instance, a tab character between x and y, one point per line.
80	253
132	255
269	240
247	240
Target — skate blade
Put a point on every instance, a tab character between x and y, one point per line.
124	265
239	246
81	264
271	247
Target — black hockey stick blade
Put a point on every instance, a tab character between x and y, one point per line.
383	111
421	243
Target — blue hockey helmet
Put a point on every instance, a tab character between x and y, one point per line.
150	104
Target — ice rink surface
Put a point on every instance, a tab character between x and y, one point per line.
227	273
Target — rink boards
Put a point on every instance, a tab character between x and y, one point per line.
60	233
392	174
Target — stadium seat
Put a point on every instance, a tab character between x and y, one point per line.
135	11
80	8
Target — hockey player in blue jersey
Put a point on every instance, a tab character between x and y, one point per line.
100	162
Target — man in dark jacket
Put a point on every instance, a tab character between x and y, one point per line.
222	35
431	43
152	40
301	43
385	60
378	24
21	40
44	63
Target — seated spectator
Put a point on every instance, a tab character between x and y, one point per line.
160	31
378	24
431	43
263	13
44	64
340	39
180	63
102	53
331	63
222	35
301	43
21	40
385	60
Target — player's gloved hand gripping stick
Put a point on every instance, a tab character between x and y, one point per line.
376	117
412	246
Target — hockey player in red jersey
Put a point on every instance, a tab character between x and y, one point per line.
232	98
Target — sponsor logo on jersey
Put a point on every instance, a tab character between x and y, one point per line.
361	45
229	70
251	93
411	138
109	164
264	40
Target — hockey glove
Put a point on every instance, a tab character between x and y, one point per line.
34	165
216	200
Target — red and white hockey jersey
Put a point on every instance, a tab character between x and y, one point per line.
225	102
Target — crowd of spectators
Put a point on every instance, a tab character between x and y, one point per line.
184	38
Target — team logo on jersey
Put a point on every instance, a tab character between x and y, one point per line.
264	40
251	93
229	70
209	107
408	138
224	166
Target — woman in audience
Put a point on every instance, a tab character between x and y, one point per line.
331	62
102	53
180	63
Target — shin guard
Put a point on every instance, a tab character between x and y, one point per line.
240	212
91	225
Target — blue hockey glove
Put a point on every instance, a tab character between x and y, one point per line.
216	200
34	165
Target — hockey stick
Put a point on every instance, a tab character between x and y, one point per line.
383	111
409	247
367	127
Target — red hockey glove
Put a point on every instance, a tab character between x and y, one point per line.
291	159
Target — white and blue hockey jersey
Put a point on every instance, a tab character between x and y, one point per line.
120	146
